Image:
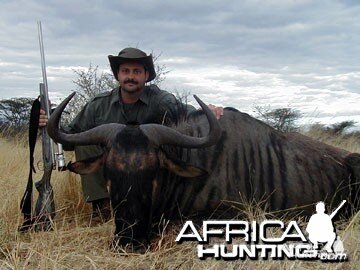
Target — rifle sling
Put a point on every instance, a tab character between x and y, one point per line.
26	200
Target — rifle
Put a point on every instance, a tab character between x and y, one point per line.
45	206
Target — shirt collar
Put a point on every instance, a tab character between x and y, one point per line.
145	95
143	98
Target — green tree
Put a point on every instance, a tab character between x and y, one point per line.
15	112
341	127
282	119
89	83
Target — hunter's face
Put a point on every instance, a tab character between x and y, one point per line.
132	77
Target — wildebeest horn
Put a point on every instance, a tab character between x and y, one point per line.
165	135
97	135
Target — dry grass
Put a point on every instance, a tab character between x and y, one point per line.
76	244
349	142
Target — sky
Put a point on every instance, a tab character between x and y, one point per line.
303	54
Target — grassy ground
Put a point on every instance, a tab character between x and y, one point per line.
79	243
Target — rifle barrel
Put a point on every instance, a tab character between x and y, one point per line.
337	209
43	67
44	95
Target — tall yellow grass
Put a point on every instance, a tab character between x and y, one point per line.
77	243
349	142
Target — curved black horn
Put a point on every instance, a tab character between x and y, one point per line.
97	135
165	135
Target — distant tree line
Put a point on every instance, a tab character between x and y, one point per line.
286	119
15	112
337	129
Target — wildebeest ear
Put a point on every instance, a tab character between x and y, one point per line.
87	166
180	168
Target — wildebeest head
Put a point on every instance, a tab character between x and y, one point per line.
131	160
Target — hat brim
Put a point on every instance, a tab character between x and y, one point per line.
147	61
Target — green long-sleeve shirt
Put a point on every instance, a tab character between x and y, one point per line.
153	106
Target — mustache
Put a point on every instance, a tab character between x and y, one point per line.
130	81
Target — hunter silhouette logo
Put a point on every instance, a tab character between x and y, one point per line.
321	229
250	239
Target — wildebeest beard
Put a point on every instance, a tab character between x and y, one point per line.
131	186
131	196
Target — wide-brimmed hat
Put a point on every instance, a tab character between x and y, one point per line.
132	55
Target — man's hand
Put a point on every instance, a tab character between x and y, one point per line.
43	118
218	111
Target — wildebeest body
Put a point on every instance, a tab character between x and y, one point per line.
234	158
253	161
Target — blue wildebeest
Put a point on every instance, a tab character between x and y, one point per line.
236	156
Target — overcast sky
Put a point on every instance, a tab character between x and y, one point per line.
299	53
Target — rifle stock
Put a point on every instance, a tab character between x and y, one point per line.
45	206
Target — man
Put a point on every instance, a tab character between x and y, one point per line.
132	102
320	228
